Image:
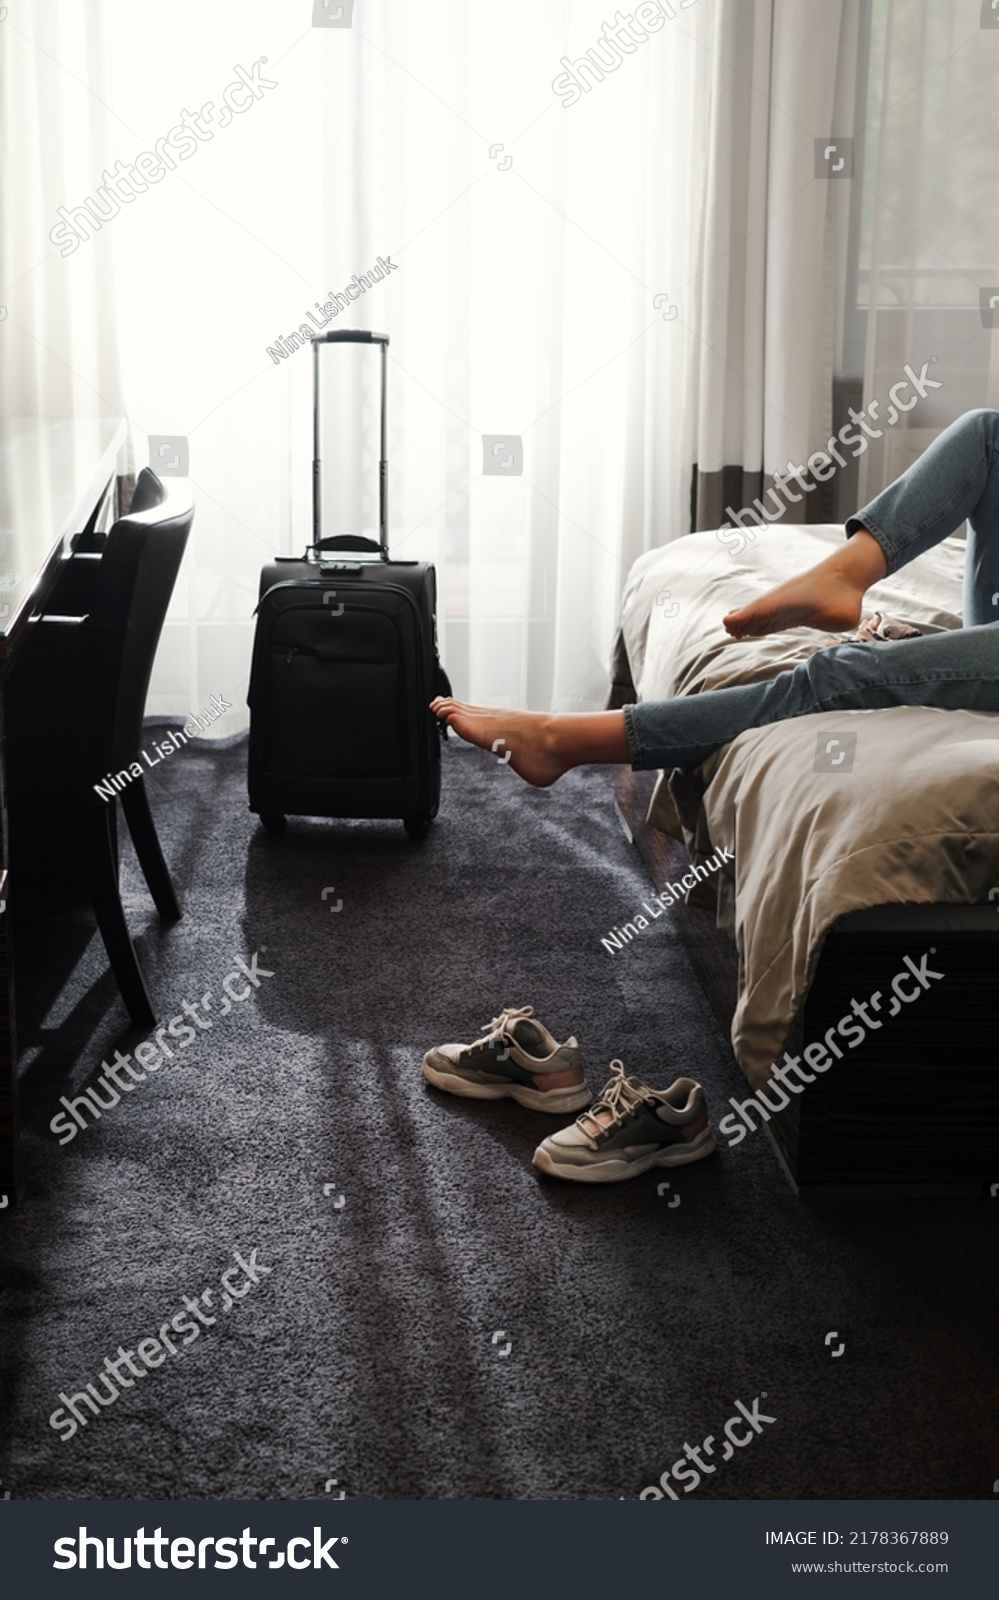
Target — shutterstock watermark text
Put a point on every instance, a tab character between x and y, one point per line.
132	178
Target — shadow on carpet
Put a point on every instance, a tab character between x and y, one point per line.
419	1314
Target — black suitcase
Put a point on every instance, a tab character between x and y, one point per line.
345	664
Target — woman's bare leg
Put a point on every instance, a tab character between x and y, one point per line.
828	596
958	670
540	746
954	670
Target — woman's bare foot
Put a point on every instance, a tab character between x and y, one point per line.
539	746
829	595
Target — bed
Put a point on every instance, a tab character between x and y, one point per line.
857	839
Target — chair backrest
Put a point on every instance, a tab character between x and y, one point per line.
131	592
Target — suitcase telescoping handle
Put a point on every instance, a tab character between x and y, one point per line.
349	541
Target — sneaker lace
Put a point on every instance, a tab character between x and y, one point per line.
619	1097
501	1029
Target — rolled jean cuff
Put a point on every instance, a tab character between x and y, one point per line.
861	522
634	743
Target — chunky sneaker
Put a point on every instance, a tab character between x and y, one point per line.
517	1059
628	1130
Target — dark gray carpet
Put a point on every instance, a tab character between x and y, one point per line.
369	1352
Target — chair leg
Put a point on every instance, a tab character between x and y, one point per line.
135	804
101	868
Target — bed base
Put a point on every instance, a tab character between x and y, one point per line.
915	1108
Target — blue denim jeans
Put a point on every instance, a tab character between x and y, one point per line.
956	479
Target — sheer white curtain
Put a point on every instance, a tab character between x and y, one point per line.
521	300
58	334
928	245
783	77
529	241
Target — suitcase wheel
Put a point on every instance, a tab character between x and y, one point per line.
274	821
417	827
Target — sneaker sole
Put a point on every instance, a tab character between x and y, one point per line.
617	1171
555	1101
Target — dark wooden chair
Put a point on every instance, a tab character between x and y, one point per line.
75	710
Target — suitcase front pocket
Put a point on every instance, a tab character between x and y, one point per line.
337	696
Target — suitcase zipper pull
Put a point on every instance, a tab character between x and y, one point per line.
289	657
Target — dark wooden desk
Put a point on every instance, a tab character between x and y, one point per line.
55	474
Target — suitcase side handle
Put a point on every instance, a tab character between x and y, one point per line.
351	336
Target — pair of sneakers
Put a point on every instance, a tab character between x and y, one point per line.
625	1131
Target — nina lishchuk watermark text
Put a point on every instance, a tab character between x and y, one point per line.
285	346
113	783
619	937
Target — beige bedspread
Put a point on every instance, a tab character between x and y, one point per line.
916	819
